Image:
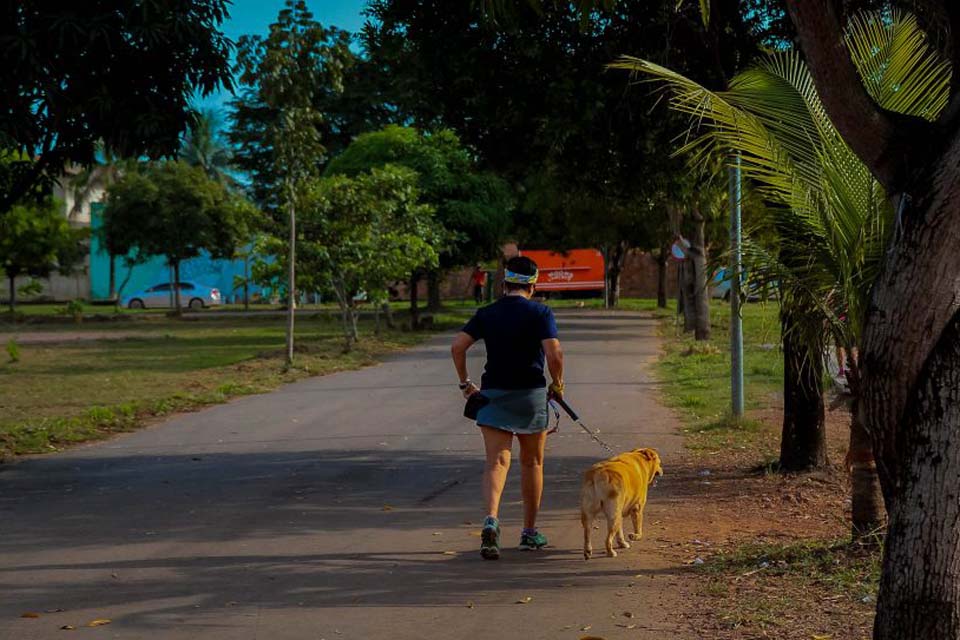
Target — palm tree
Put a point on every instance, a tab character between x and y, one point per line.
833	218
205	147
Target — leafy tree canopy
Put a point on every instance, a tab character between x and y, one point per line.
473	206
301	76
36	239
117	71
174	210
357	234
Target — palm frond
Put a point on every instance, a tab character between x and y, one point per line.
832	217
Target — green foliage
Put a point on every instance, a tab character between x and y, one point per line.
473	206
13	351
36	239
360	233
205	147
74	309
589	157
277	125
175	211
31	288
832	218
120	72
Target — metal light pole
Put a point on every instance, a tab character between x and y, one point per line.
736	321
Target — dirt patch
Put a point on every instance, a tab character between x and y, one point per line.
768	550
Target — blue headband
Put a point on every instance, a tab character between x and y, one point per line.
519	278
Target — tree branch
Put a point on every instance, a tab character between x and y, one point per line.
869	130
952	10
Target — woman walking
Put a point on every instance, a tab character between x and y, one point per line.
520	337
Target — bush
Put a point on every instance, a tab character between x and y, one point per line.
13	350
74	308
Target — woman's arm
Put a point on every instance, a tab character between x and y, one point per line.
458	350
554	355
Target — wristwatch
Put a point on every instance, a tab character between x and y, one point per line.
466	383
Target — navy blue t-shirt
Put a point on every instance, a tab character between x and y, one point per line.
512	329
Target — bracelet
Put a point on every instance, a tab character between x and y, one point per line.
466	383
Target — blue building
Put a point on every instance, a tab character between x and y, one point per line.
221	274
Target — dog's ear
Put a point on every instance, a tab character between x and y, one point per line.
649	454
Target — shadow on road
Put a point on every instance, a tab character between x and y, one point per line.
159	515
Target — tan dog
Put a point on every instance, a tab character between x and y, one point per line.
617	487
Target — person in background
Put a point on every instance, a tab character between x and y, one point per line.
479	280
521	338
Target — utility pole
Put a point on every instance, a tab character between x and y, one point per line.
736	320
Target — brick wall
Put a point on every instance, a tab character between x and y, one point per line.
639	277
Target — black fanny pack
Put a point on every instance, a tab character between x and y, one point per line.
474	403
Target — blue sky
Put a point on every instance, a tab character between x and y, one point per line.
255	16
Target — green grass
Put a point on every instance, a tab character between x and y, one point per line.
74	391
696	375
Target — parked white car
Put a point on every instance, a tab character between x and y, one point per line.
193	296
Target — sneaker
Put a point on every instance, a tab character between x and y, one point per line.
532	542
490	539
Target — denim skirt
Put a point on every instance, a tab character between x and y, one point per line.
521	411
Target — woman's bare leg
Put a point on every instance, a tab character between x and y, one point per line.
497	444
531	475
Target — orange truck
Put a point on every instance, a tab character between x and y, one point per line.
574	270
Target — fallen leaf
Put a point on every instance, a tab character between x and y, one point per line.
449	553
626	626
816	637
470	605
586	628
67	627
53	610
437	533
590	638
627	614
387	507
475	534
99	622
524	600
30	614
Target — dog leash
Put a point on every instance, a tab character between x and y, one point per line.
576	418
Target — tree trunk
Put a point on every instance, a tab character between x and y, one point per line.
177	310
910	352
618	256
662	276
246	282
414	301
343	301
867	512
605	256
354	317
699	278
388	315
113	277
12	302
919	590
291	275
803	444
433	291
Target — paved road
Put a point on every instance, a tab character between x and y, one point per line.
342	507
